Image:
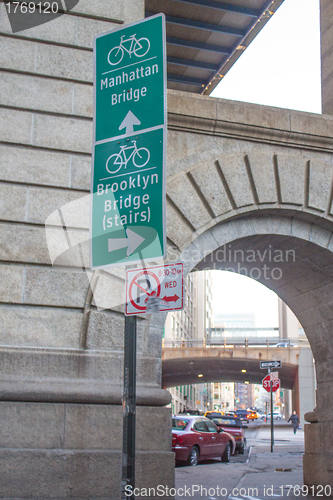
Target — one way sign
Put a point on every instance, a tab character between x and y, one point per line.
270	364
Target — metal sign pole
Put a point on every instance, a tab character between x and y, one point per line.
272	424
129	408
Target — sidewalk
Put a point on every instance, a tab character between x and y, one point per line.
284	438
277	474
263	476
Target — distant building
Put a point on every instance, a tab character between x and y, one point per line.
234	320
223	396
303	398
191	324
235	325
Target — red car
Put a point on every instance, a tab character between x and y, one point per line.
235	427
197	438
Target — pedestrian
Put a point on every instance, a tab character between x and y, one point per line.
294	420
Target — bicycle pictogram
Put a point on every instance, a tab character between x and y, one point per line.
131	45
140	158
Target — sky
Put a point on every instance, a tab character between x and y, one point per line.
280	68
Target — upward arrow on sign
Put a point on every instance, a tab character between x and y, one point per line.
128	122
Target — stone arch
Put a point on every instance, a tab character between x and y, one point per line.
306	288
265	178
221	187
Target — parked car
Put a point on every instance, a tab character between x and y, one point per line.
214	412
198	438
276	416
244	415
284	344
230	413
192	412
235	427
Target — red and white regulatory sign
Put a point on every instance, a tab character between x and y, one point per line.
266	383
155	289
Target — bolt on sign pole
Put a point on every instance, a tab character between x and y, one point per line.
129	408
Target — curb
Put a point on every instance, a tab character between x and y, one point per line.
249	455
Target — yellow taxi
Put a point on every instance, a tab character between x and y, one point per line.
253	415
214	413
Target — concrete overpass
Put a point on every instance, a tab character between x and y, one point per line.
182	365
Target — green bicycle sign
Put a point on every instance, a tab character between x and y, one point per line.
140	158
128	178
130	77
128	200
137	47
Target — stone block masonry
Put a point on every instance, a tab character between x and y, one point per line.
61	382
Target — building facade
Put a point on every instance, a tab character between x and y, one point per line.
189	327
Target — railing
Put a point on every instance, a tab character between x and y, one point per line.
229	343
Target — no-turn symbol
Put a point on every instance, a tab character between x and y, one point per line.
162	286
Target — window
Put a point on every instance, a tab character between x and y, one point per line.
211	427
179	425
200	426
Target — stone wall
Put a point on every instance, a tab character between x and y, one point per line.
326	42
62	355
